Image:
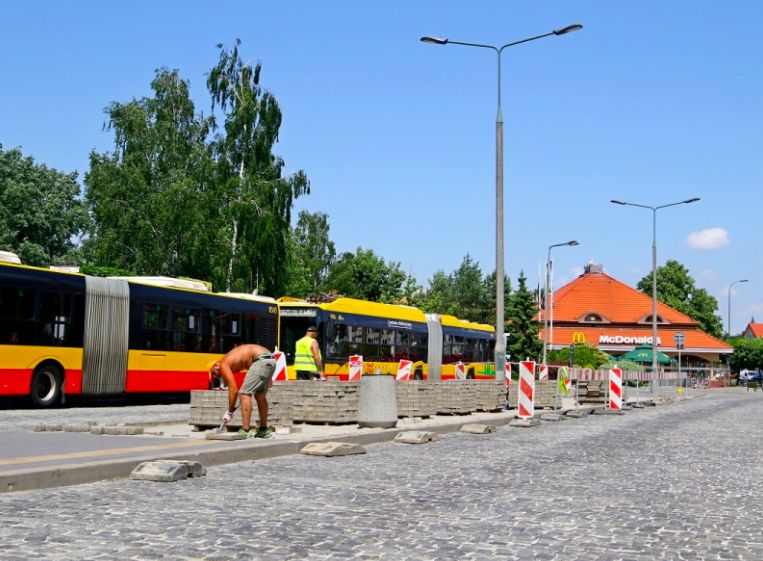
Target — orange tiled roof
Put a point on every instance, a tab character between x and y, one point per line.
615	301
756	329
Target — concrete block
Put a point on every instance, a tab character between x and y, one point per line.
96	429
54	428
578	413
39	428
552	417
416	437
167	470
478	428
525	423
608	411
214	435
330	449
110	430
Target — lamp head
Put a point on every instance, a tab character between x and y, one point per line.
435	40
743	280
618	202
692	200
568	29
573	242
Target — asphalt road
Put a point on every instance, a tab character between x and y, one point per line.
679	481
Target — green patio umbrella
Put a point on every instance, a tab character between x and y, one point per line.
643	354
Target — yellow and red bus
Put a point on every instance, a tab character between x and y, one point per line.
69	334
383	334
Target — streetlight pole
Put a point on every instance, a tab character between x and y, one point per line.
654	210
728	332
500	343
548	312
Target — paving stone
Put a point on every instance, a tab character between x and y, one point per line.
332	449
525	423
214	435
552	417
416	437
478	428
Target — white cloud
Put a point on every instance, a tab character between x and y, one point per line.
709	238
709	275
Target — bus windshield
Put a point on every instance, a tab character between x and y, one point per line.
294	324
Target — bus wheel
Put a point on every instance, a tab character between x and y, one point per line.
418	374
46	385
470	374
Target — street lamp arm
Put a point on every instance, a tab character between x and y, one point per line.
507	45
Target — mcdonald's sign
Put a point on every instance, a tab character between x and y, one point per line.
578	337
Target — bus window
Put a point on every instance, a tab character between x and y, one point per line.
370	347
418	346
401	346
55	318
210	332
185	329
17	311
470	350
447	349
230	330
155	323
457	349
387	345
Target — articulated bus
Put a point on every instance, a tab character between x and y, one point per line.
383	334
65	334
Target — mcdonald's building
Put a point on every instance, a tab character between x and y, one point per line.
606	313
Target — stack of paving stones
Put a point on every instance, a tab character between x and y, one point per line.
456	397
208	408
544	394
329	402
417	398
593	391
489	395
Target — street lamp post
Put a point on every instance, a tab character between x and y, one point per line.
728	332
500	343
548	312
654	210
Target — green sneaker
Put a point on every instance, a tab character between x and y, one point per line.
245	433
263	433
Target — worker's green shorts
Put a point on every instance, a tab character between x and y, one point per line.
259	376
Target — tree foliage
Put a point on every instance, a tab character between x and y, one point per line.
149	199
677	289
748	354
367	276
583	356
255	200
40	212
311	255
523	330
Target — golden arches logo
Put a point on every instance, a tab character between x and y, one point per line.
578	337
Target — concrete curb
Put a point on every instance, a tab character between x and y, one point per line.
208	455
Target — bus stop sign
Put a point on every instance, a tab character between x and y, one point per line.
679	338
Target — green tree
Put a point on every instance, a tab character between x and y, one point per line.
312	253
365	275
523	330
40	212
583	356
470	297
748	354
677	289
150	198
255	200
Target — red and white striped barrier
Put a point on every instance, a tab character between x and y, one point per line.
615	389
507	375
526	389
356	368
460	371
404	370
281	372
542	372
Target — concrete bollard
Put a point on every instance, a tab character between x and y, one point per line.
377	402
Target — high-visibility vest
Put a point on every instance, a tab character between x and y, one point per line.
303	356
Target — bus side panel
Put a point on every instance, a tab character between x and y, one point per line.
160	371
19	362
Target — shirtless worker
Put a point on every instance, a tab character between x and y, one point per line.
261	365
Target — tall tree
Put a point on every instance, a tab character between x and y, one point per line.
523	331
40	210
471	301
677	289
150	198
315	250
255	199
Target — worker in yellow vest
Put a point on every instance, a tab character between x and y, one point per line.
307	357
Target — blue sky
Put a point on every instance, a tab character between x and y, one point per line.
653	102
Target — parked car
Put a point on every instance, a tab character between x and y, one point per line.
750	376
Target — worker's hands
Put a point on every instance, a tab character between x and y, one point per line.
227	417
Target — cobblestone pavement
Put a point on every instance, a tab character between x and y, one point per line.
676	482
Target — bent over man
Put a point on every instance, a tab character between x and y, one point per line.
261	365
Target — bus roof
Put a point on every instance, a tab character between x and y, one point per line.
452	321
362	307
